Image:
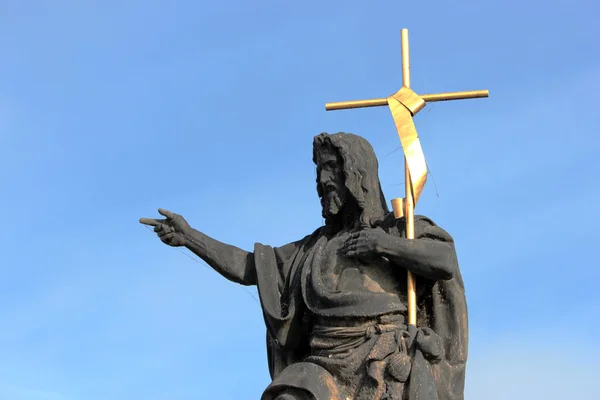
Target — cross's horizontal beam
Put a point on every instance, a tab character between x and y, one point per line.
343	105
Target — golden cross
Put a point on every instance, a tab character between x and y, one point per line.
404	104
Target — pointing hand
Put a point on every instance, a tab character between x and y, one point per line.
172	230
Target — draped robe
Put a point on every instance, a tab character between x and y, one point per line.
292	294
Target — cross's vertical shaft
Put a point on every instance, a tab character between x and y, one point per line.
409	204
404	104
405	58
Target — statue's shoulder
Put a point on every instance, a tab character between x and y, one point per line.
425	220
424	227
390	221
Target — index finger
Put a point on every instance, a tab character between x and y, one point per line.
149	221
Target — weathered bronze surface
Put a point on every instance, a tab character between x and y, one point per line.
335	303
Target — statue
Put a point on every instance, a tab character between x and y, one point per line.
345	317
335	302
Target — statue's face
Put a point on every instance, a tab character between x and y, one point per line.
330	178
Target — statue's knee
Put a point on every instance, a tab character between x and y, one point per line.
285	396
293	394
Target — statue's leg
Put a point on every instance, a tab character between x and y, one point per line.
302	381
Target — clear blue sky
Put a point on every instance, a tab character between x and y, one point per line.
109	110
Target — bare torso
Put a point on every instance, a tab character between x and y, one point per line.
348	274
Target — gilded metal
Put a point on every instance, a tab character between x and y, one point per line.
409	99
414	160
409	215
429	98
411	145
405	57
468	94
398	207
404	105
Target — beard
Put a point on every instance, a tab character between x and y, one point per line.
332	203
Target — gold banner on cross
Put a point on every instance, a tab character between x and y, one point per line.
404	104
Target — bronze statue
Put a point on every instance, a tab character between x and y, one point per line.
335	302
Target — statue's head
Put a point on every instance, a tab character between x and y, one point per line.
347	179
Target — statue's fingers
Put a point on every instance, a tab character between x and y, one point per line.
165	231
352	241
166	213
159	228
361	242
167	238
149	221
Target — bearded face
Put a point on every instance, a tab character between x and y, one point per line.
330	182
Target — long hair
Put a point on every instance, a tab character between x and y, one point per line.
361	176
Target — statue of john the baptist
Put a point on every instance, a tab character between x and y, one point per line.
335	303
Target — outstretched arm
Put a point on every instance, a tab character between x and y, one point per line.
232	262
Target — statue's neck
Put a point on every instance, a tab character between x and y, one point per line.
347	220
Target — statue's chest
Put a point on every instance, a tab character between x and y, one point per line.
342	273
